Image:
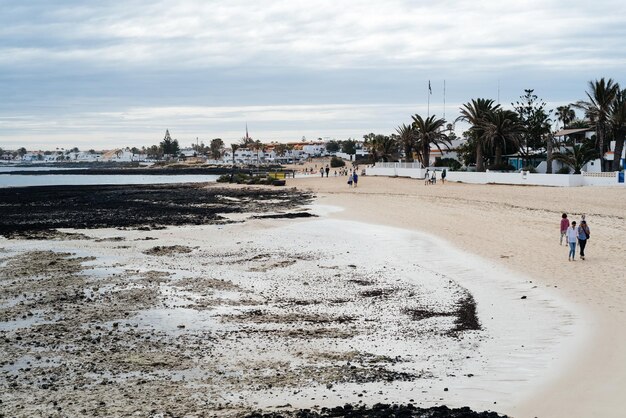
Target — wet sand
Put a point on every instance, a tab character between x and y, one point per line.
271	314
221	320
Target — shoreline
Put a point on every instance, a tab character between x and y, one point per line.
517	227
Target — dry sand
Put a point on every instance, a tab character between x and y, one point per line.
518	227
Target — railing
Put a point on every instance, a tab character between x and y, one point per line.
399	165
605	174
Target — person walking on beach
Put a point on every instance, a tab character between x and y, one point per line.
355	178
564	226
426	178
327	170
572	236
433	177
350	179
322	171
583	236
443	176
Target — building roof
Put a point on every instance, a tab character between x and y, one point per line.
564	132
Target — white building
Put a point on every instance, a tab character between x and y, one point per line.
123	155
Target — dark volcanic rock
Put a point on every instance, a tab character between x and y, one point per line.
25	210
379	411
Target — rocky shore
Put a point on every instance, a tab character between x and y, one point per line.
31	211
131	316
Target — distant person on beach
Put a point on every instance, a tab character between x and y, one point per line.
322	171
583	236
355	178
564	226
433	177
443	176
426	178
327	170
350	178
572	236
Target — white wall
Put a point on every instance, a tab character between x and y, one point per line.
395	170
529	179
535	179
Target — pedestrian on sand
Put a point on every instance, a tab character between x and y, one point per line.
433	177
426	178
327	170
572	236
564	226
350	178
583	236
355	178
443	176
322	171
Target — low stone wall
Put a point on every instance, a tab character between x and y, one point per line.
523	178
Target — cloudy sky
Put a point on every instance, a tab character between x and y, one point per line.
104	74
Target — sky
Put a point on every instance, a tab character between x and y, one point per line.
109	74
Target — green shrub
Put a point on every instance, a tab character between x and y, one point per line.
367	160
241	178
451	163
564	170
337	162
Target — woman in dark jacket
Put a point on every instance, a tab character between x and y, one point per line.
583	236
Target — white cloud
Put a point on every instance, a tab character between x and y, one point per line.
324	33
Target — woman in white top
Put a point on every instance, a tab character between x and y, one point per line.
572	236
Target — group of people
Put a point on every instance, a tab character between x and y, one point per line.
325	170
353	178
431	177
574	234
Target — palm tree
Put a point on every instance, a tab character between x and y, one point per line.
601	95
577	157
565	114
385	147
234	148
618	124
473	112
380	146
407	139
429	131
499	127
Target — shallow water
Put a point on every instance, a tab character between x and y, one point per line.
19	180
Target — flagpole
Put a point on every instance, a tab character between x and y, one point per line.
428	106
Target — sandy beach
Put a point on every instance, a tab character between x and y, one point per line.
395	292
517	227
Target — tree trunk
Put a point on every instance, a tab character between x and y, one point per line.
408	151
479	157
600	141
549	154
620	137
426	153
498	157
